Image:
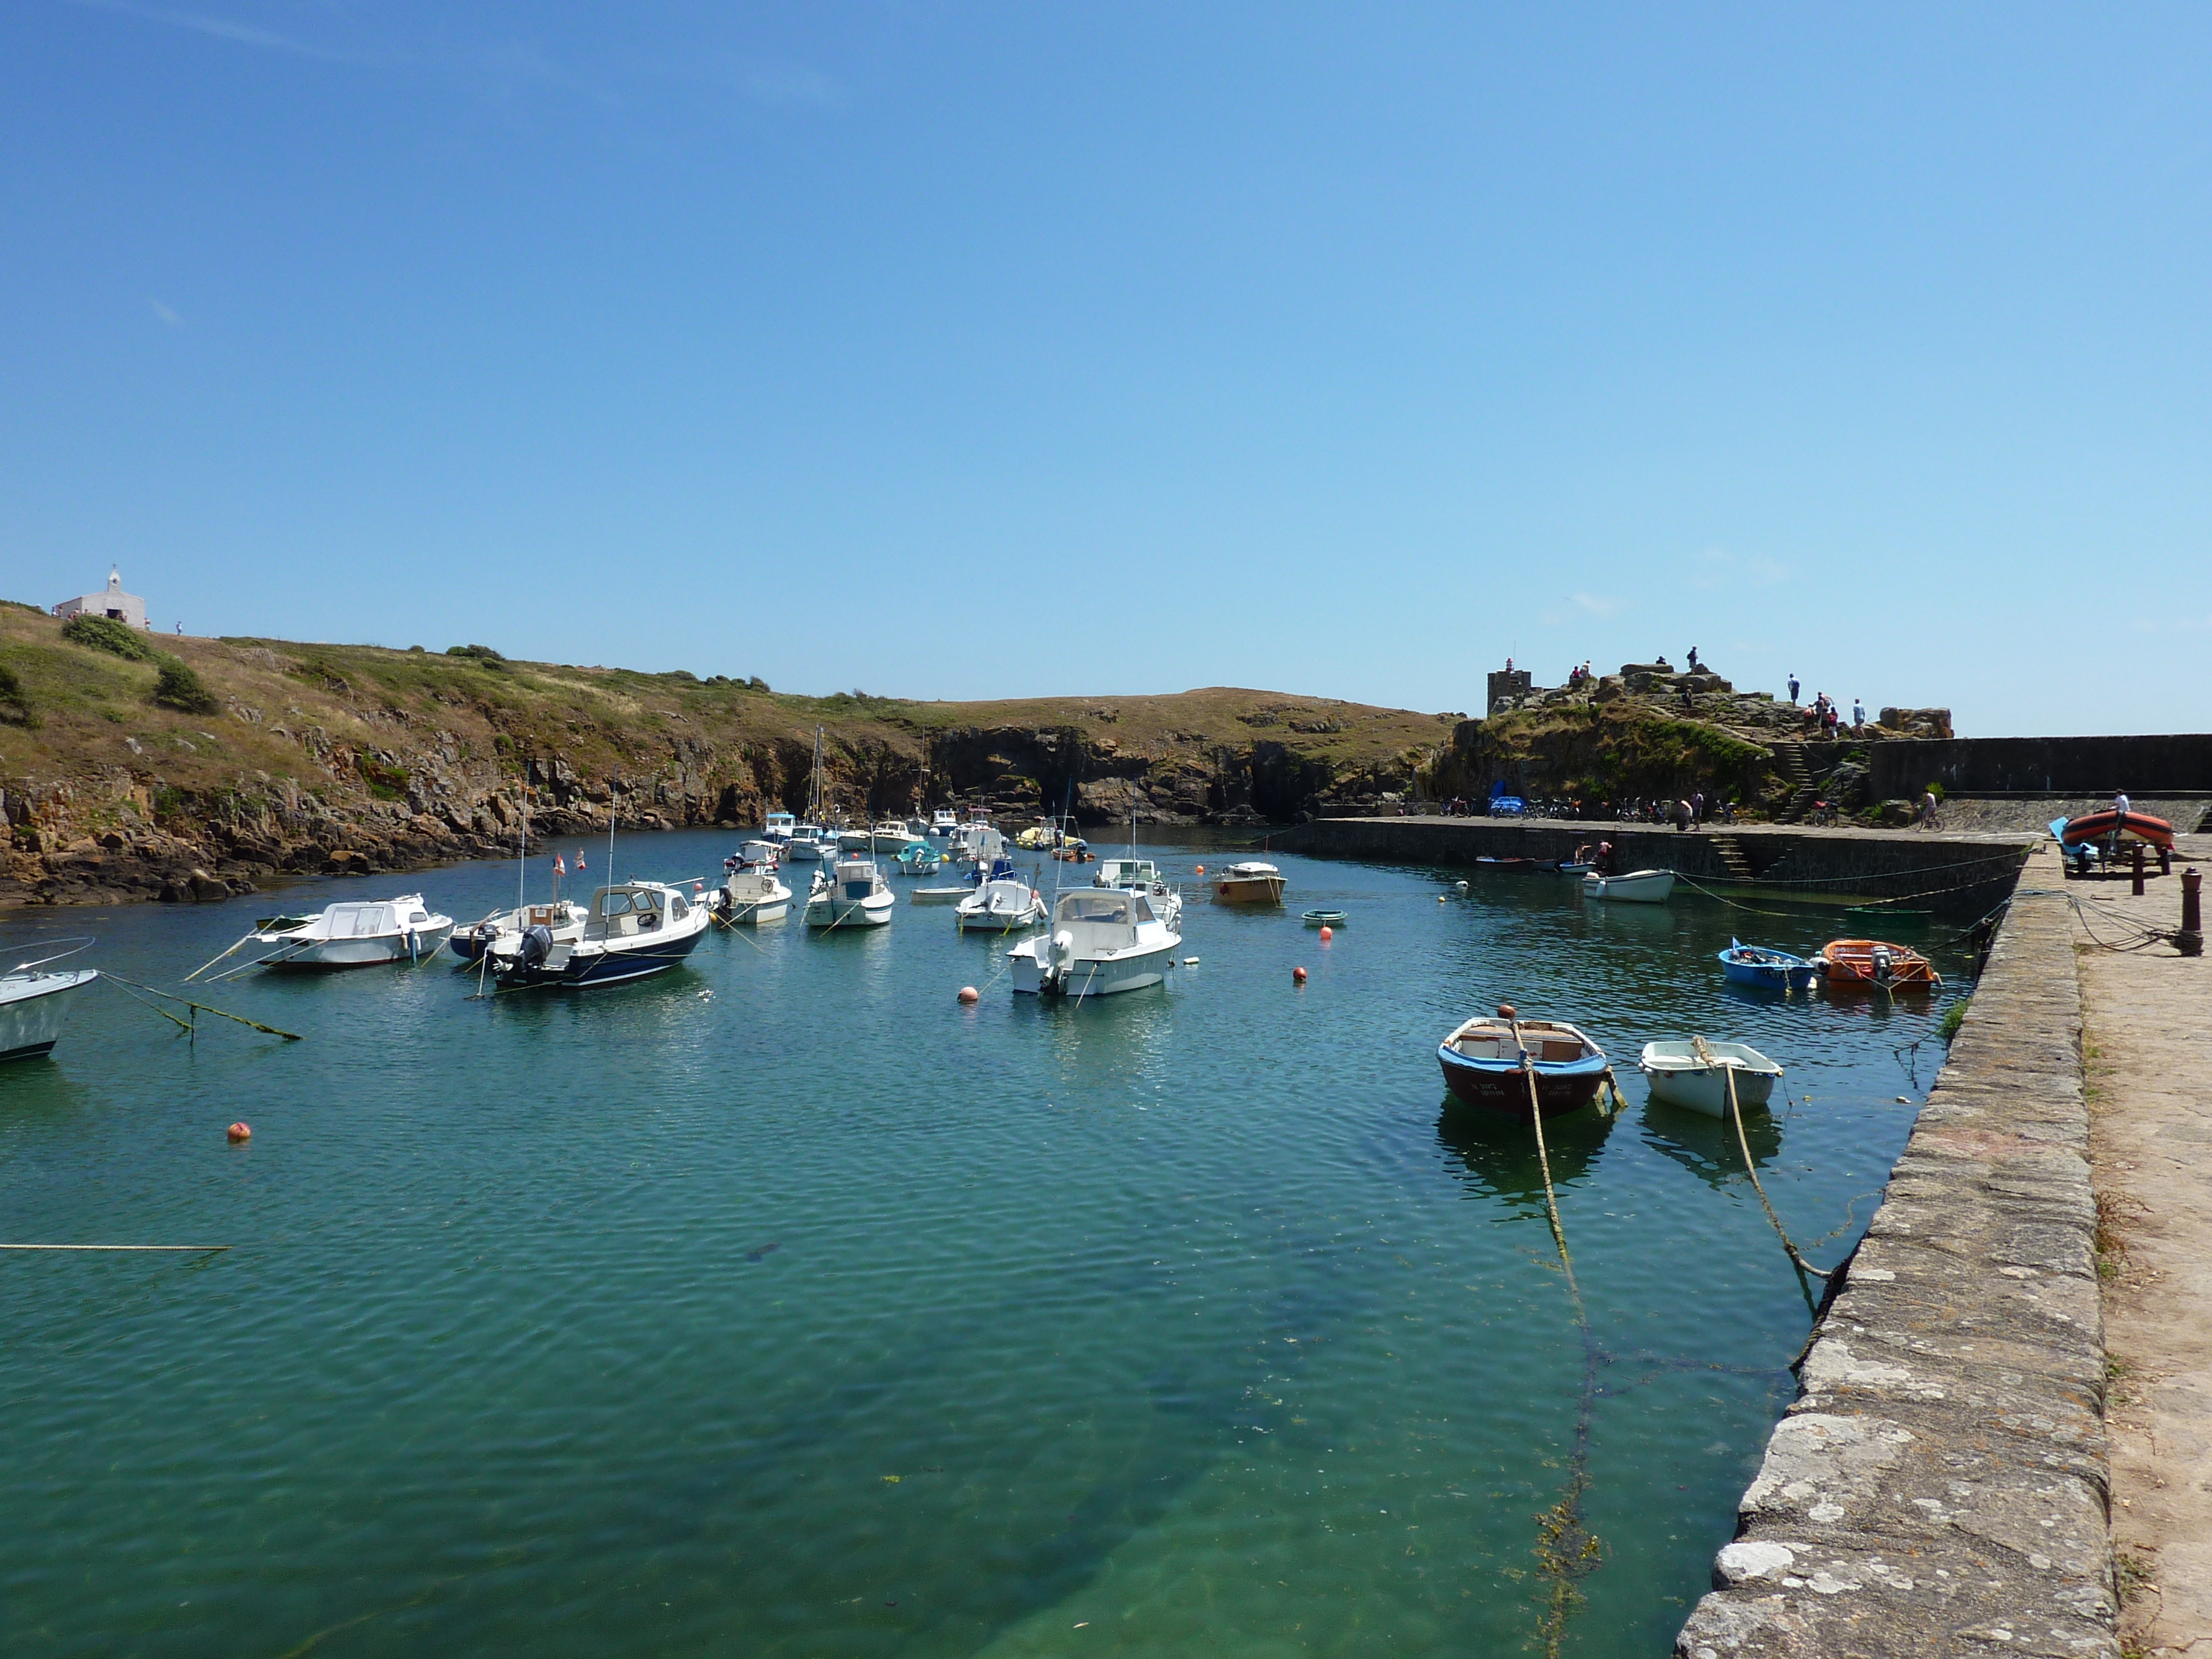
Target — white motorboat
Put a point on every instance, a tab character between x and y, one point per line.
777	827
563	918
851	893
1693	1075
888	837
1638	887
942	822
34	1004
975	846
810	844
1136	875
635	928
1100	942
356	934
750	894
755	855
1252	882
940	895
999	906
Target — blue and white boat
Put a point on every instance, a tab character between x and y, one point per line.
635	929
1768	968
1488	1060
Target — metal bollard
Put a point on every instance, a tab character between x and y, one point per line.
2138	869
2191	939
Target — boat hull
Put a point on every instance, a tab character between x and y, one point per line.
1133	972
370	953
34	1009
828	913
1849	965
1679	1080
1795	975
1639	887
1249	889
580	971
1503	1088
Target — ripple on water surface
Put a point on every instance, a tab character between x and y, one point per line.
827	1317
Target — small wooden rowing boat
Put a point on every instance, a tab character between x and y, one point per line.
1766	966
2108	825
1482	1064
1862	962
1693	1074
1638	886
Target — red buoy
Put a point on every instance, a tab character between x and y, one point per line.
240	1132
969	995
1298	975
1327	934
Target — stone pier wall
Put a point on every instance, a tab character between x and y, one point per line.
1940	1486
1970	873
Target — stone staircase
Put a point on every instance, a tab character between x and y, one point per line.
1789	760
1731	854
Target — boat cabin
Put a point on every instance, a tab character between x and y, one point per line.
1103	919
858	878
777	826
632	909
371	920
1126	872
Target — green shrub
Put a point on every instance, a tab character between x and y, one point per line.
385	782
481	652
1953	1018
1936	790
179	688
14	701
106	633
17	605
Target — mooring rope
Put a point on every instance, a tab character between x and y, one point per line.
1566	1550
201	1007
1743	1142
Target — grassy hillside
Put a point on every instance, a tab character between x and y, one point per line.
275	754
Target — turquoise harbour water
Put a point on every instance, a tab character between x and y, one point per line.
825	1317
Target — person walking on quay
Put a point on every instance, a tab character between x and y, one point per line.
1697	808
1792	691
1928	820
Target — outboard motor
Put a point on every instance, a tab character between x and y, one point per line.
537	944
1882	965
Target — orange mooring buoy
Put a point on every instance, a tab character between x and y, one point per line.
1327	934
1505	1011
1298	975
1201	869
241	1132
969	995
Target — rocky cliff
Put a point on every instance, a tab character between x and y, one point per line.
188	768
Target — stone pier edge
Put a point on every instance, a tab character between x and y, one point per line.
1940	1486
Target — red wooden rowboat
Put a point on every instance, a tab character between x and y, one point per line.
1860	962
2130	826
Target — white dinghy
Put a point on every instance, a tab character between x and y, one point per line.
1101	942
1637	887
1693	1074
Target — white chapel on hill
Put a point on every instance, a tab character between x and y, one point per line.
113	602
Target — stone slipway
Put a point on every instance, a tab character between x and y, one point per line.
1940	1487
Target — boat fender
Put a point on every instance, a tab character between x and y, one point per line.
537	944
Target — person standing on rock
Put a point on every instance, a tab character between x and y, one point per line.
1693	659
1858	717
1792	691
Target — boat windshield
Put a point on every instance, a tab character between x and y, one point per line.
1095	906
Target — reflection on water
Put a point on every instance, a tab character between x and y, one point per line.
824	1315
1498	1153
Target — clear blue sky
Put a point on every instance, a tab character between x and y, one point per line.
980	351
